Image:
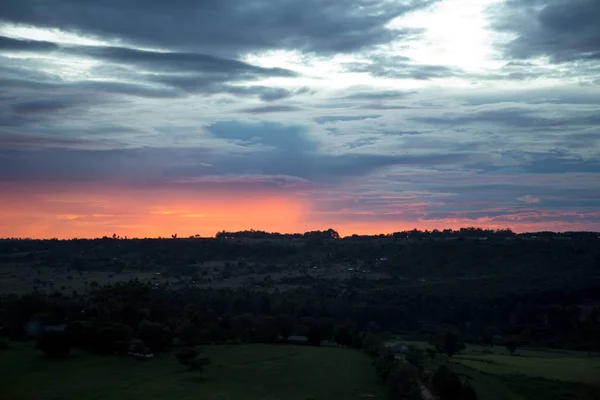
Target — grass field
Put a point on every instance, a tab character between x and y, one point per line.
266	372
530	374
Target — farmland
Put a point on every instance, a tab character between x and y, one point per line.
528	374
244	300
237	372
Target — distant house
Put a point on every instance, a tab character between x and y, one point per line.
55	328
297	339
399	349
35	328
139	351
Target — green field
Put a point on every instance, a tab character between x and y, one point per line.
237	372
530	374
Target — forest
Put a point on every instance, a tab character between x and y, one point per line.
446	289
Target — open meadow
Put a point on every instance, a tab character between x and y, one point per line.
237	372
529	374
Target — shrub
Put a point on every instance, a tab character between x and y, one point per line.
199	363
415	357
446	384
154	335
431	352
185	356
54	344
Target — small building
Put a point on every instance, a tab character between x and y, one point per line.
399	349
35	328
139	351
297	339
55	328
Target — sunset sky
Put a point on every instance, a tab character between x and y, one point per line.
147	118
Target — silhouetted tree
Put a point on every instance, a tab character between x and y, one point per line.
431	352
154	335
199	364
415	356
511	343
446	384
185	356
403	382
451	345
384	364
467	392
53	344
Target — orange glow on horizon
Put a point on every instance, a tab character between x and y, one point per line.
91	211
96	212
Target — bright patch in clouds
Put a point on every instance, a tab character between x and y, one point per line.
49	35
456	32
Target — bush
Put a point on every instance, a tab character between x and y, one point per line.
199	363
415	356
431	352
189	334
54	344
467	392
154	335
110	339
446	384
185	356
403	382
511	344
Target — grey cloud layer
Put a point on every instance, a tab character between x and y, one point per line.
222	27
564	30
148	73
190	112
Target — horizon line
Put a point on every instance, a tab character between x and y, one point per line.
175	236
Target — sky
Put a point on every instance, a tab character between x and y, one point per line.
152	118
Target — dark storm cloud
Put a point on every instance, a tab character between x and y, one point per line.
10	44
270	149
561	165
156	62
513	117
152	74
571	95
378	95
555	162
60	165
384	107
344	118
264	93
40	106
399	67
31	81
282	137
270	109
222	27
177	62
564	30
274	94
28	142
